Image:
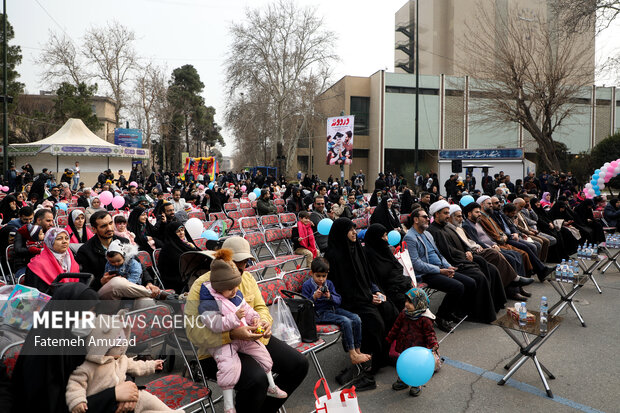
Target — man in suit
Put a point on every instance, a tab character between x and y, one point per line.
436	271
530	257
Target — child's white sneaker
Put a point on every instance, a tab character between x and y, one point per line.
276	392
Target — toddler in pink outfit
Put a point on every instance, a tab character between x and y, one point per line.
222	308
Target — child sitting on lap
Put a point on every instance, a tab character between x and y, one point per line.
223	308
413	327
327	306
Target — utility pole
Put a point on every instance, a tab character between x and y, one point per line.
5	100
417	81
341	165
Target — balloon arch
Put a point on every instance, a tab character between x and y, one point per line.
600	177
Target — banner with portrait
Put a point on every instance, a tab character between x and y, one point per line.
340	140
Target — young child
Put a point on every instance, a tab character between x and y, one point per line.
120	229
223	308
327	306
106	367
303	238
121	259
413	327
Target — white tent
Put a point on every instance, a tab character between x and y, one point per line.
70	142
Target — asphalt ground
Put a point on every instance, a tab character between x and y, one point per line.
584	360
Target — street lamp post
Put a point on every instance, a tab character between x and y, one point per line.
5	141
417	80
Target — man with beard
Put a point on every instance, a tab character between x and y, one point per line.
436	271
511	211
489	288
166	216
425	201
318	213
509	228
511	281
528	253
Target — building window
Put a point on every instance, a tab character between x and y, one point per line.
360	153
411	90
360	107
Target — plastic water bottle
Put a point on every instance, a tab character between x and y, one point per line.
579	253
558	272
543	315
575	274
522	315
564	273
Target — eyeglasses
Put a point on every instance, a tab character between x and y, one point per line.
423	216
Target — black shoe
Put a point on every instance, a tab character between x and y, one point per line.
525	293
399	385
346	375
523	281
415	391
545	273
516	296
444	325
365	382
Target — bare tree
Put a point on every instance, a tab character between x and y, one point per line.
149	90
111	50
275	52
62	62
532	70
583	15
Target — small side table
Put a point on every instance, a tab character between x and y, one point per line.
566	297
588	265
527	348
612	255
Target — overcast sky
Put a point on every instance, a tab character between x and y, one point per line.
178	32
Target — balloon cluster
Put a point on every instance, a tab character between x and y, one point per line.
600	178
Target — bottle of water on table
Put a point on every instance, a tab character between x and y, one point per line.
558	272
543	315
522	315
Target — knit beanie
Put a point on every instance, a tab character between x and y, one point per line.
223	275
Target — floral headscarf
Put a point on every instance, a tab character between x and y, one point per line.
420	302
50	237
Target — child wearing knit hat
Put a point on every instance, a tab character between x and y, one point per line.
223	308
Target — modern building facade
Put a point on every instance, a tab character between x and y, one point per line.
384	108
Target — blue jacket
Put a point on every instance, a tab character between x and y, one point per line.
419	254
322	304
610	214
131	269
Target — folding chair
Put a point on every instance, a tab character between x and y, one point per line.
249	224
248	212
197	214
10	256
176	391
201	243
146	260
230	206
62	221
288	219
269	221
9	355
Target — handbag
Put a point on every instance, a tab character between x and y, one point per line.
344	401
403	258
302	310
284	326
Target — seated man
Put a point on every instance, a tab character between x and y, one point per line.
435	271
23	251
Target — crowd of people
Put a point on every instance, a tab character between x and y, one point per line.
481	247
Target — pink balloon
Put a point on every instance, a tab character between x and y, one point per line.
118	202
106	197
614	164
133	183
5	189
243	188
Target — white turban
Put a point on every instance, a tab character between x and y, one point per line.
438	206
483	198
454	208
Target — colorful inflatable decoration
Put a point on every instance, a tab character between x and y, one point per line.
208	167
600	177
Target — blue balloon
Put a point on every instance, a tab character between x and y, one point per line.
597	191
211	185
257	192
210	235
361	234
415	366
596	171
595	177
61	205
594	182
393	238
466	200
324	226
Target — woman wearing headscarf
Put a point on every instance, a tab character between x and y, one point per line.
545	224
545	200
585	217
350	272
387	270
40	378
375	198
295	203
9	209
177	243
95	205
386	215
78	232
211	202
55	258
561	210
406	201
65	192
143	230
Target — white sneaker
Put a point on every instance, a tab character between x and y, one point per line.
276	392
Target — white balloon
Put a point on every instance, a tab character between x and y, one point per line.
252	196
588	185
194	227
